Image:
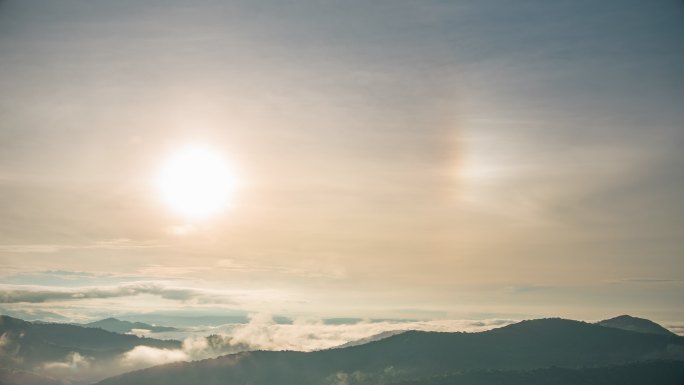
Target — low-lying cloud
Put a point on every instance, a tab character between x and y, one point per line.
149	356
677	329
73	368
264	333
261	333
73	362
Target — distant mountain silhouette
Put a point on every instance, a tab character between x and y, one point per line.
641	325
373	338
27	345
119	326
414	355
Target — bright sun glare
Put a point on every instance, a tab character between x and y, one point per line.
197	182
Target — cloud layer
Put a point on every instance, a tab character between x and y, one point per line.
306	334
33	294
261	333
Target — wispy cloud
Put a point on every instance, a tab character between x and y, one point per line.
647	280
37	294
35	314
308	268
311	268
107	244
156	270
529	289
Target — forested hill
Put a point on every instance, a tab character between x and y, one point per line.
527	345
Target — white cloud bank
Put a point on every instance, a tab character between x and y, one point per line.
313	334
263	333
148	356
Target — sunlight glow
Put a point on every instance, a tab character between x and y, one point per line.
197	182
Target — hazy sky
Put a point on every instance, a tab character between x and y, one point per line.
417	159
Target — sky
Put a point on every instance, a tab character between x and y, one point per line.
422	160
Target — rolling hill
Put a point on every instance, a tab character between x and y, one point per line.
34	343
641	325
654	373
420	356
29	350
118	326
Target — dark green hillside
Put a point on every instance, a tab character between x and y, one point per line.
28	344
634	324
648	373
20	377
415	355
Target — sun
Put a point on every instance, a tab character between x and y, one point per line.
197	182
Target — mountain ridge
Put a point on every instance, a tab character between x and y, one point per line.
34	346
119	326
636	324
526	345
